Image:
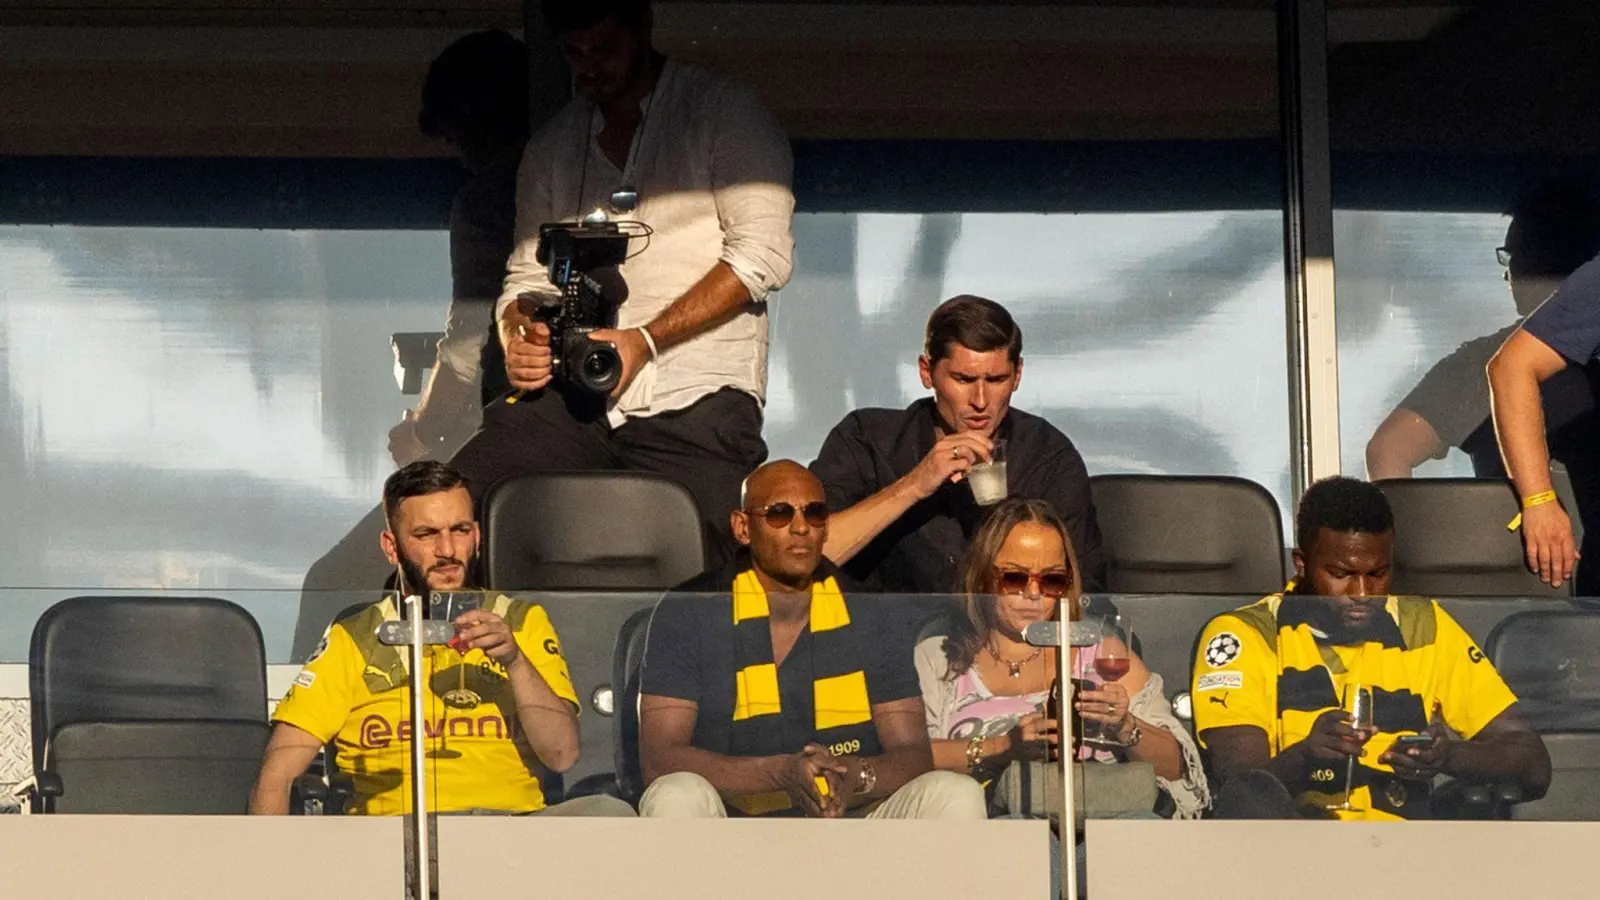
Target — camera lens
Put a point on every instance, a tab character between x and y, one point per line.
599	368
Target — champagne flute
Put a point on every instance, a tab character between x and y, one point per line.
1358	706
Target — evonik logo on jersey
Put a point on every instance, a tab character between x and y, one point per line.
378	732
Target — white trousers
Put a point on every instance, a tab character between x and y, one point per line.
932	795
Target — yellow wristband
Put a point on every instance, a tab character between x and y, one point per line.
1539	499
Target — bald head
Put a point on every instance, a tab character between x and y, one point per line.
775	479
782	518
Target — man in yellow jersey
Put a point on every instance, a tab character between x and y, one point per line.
1270	681
500	705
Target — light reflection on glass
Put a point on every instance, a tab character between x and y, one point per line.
208	409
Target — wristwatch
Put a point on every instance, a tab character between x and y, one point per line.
1134	737
867	779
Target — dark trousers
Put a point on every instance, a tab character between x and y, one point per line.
1256	794
709	448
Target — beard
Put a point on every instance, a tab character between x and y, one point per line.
413	580
1342	634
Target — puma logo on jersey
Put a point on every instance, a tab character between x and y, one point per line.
1221	701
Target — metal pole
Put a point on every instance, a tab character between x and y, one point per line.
1308	242
415	607
1069	818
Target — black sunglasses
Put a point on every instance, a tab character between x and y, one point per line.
1015	581
779	515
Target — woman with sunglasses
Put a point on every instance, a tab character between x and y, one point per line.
989	687
986	689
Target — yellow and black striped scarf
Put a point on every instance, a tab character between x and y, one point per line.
842	707
1313	660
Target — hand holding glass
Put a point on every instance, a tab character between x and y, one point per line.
988	479
1358	706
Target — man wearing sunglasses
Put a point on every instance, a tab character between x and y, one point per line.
697	162
771	688
904	516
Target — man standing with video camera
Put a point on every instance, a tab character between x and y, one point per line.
699	172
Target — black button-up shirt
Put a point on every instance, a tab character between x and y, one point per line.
923	550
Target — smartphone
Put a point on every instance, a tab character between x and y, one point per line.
1413	742
446	606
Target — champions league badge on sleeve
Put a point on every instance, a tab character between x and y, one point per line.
1223	649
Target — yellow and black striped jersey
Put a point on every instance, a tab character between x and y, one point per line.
1267	666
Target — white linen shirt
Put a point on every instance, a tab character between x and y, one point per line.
713	173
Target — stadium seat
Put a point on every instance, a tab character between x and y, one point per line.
1575	781
1179	534
1451	540
146	705
1551	661
578	531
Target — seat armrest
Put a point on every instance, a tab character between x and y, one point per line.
604	783
309	789
1471	799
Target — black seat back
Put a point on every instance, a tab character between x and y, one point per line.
1450	539
1551	660
572	531
627	660
157	768
1574	782
1182	534
128	669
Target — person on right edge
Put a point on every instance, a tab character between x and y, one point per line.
904	518
1561	335
1272	683
780	694
1553	231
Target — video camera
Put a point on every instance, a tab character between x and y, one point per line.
572	251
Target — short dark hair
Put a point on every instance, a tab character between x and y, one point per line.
481	80
1556	226
418	480
562	16
976	323
1346	505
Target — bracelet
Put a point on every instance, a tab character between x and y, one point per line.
1538	499
975	752
649	341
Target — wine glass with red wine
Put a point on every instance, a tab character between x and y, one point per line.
1111	660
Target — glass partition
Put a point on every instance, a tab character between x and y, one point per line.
1131	324
1147	671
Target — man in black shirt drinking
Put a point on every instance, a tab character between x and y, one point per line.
783	691
898	478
